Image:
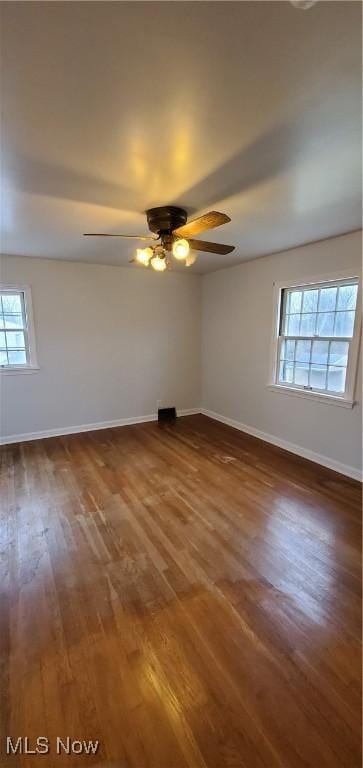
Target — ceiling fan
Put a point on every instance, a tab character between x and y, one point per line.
174	235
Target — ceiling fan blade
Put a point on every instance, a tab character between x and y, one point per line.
208	221
202	245
106	234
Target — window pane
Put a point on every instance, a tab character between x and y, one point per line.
286	372
344	324
2	339
11	303
307	327
303	351
293	325
15	339
318	376
320	352
310	302
339	352
17	357
336	379
302	374
294	302
347	297
327	299
288	350
13	321
326	324
3	357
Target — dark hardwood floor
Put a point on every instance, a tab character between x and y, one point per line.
187	595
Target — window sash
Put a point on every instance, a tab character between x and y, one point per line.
309	363
22	329
319	287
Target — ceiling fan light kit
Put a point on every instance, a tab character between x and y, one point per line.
175	235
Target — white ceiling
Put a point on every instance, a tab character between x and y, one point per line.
250	108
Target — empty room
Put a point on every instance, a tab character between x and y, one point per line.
180	384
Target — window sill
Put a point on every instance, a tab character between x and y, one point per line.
13	370
327	399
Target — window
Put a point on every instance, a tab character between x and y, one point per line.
17	347
317	339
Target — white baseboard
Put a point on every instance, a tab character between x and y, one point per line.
188	411
59	431
318	458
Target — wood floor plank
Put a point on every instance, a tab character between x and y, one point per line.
185	594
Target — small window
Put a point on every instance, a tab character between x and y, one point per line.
318	338
17	347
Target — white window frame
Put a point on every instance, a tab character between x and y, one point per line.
32	365
346	399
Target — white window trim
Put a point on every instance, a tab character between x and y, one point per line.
347	399
32	366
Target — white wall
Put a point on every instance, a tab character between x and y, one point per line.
111	342
236	338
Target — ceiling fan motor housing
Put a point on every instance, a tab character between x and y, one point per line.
164	220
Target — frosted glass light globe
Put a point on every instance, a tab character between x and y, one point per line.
158	264
143	255
180	249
